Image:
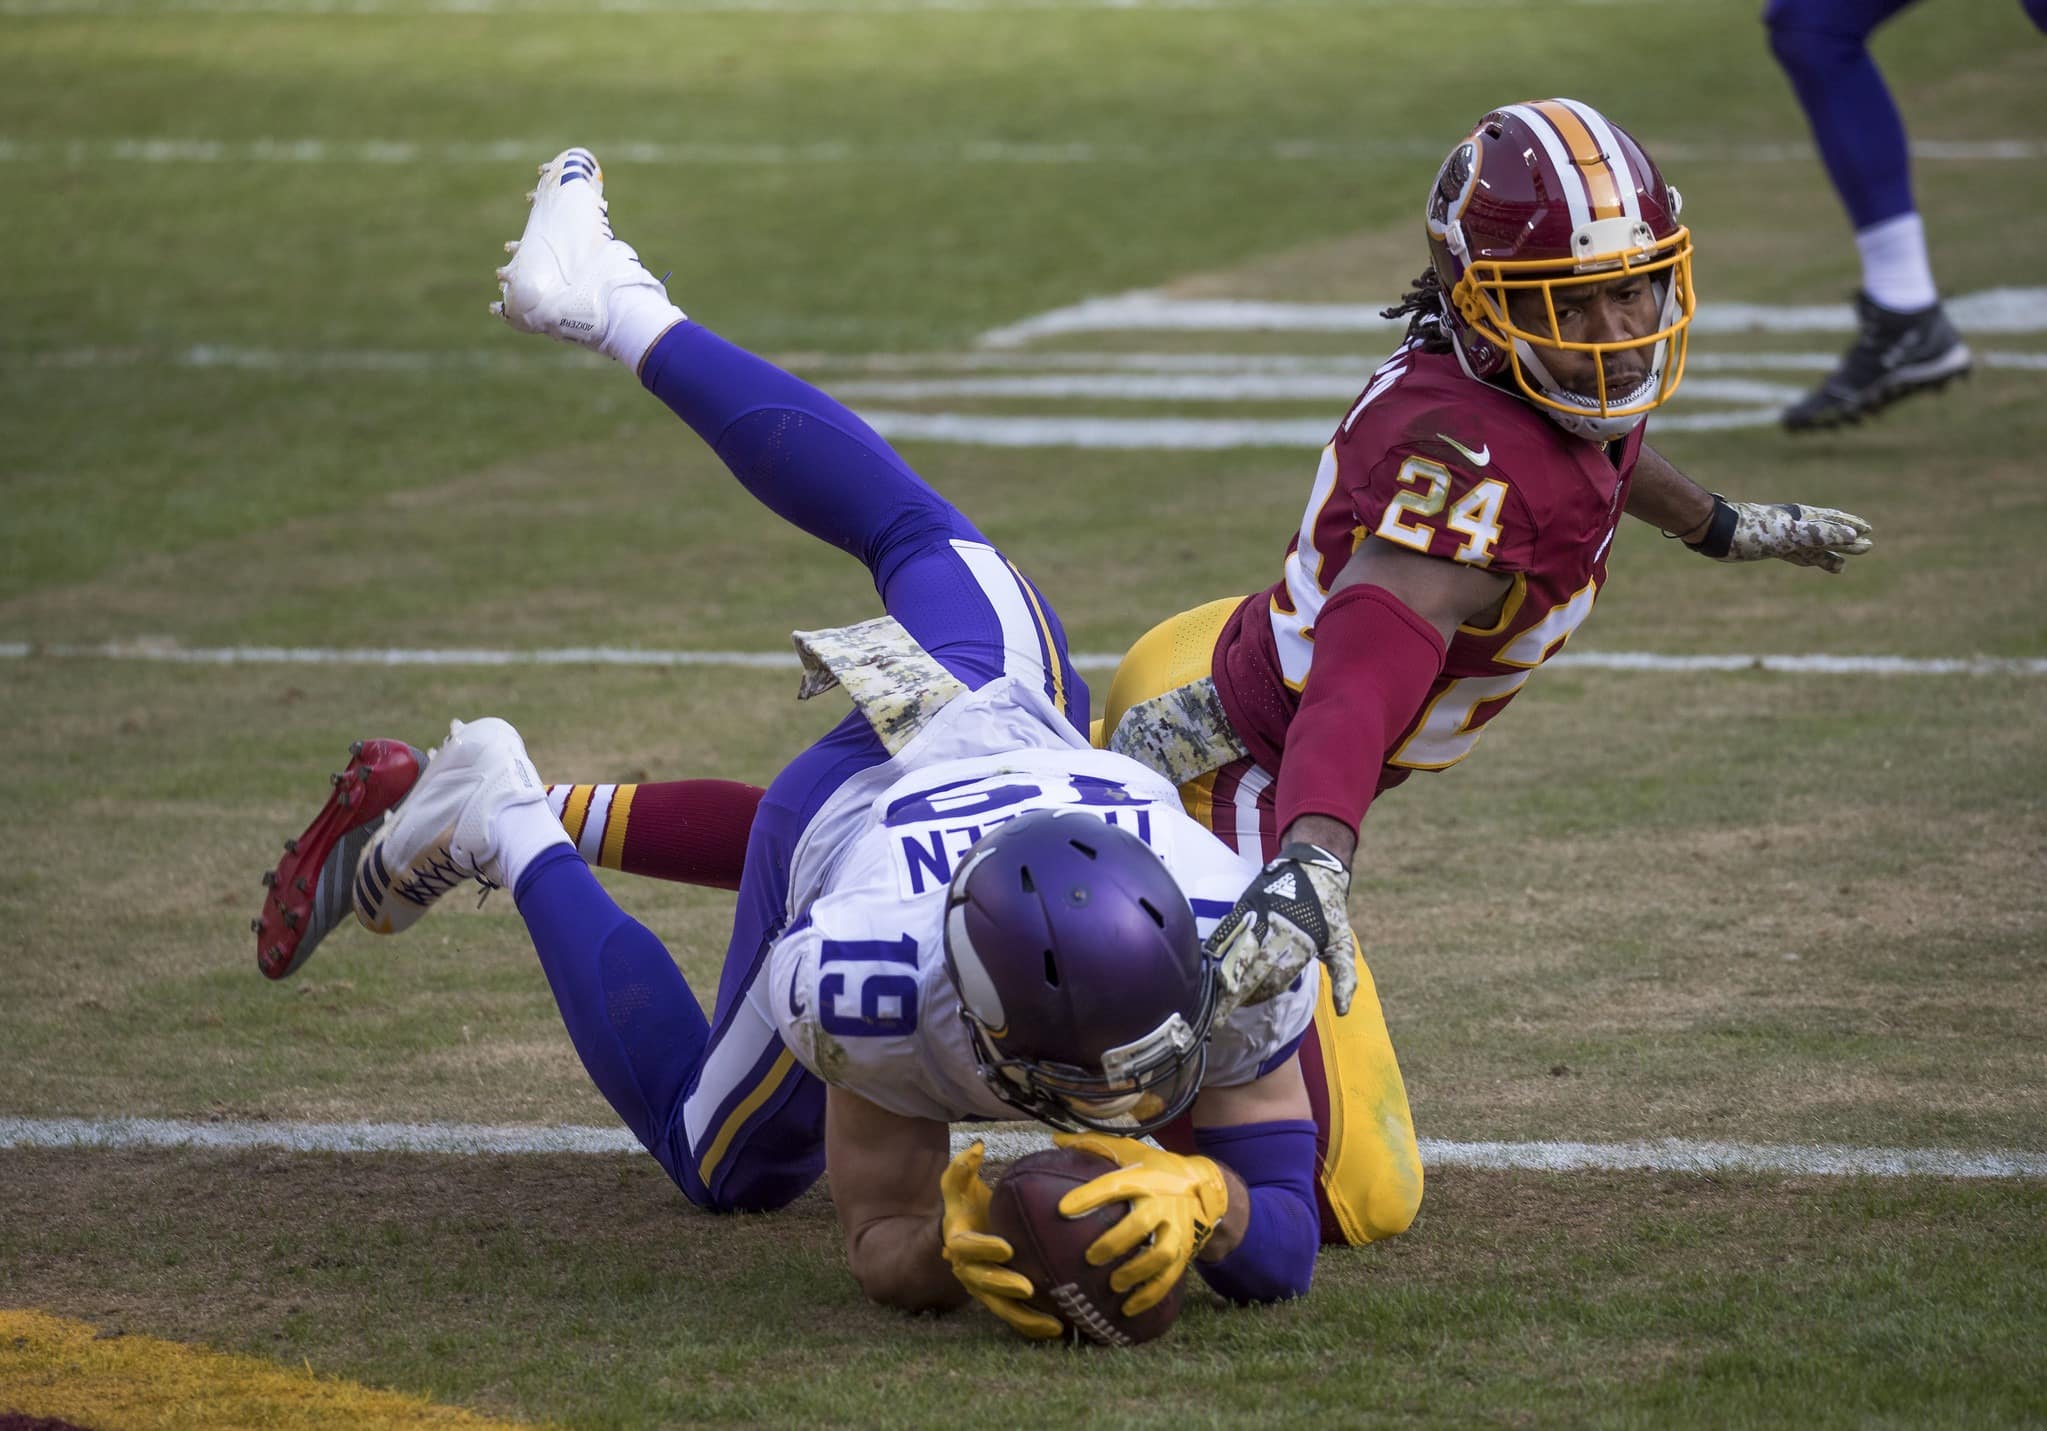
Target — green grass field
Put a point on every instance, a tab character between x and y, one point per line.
251	396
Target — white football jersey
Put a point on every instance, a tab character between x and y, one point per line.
857	985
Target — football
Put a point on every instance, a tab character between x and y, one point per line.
1051	1250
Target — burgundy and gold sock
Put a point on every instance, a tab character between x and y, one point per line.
689	831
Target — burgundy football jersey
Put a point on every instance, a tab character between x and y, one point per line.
1435	462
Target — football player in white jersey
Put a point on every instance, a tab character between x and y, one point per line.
951	906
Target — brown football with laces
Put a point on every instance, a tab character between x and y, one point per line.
1051	1250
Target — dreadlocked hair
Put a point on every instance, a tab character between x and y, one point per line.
1422	306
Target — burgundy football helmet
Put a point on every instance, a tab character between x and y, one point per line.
1540	197
1083	985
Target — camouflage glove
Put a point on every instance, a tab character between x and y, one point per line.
1175	1204
1803	536
979	1258
1293	912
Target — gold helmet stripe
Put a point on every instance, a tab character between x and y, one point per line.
1602	187
1576	195
1616	155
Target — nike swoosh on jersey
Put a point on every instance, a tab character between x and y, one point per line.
1478	458
795	1008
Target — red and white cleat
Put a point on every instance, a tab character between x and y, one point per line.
308	891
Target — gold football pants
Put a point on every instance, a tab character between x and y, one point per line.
1370	1178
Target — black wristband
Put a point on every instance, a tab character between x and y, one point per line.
1719	538
1301	852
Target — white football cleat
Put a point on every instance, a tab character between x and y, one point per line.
568	271
440	836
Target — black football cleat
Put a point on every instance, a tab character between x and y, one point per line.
1894	355
307	893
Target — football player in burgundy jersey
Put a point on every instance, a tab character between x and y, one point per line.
1454	537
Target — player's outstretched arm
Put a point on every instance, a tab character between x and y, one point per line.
884	1171
1380	642
1742	531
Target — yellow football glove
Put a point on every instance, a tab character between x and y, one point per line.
978	1255
1174	1201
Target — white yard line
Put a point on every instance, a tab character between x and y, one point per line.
166	149
1667	1155
171	653
1326	372
1187	434
1997	310
1334	386
726	7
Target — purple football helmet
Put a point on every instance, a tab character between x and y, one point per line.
1082	982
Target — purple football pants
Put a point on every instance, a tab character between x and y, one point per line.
1823	46
722	1104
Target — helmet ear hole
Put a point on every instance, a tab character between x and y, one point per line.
1051	969
1149	908
1024	876
1084	849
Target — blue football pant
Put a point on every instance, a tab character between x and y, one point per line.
1823	46
722	1103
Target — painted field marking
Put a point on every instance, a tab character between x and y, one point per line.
1215	387
1678	1155
323	8
165	149
53	1367
170	653
1150	310
1187	434
1319	374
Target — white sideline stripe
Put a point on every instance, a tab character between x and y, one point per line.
1671	1155
1187	434
1327	372
1996	310
1353	368
1195	387
718	7
171	653
167	150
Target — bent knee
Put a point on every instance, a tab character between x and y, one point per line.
1805	36
1374	1209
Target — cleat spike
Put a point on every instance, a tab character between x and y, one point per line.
362	773
269	878
301	886
497	310
336	778
511	245
291	846
502	276
531	195
342	800
255	926
355	749
291	919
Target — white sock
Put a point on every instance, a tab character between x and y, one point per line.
1895	271
639	316
522	834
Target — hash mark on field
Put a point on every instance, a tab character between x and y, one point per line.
167	150
1150	310
1668	1155
583	8
171	653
